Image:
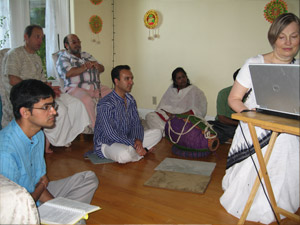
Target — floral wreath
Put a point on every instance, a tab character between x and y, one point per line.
95	24
274	8
96	2
151	19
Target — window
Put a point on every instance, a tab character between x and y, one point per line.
37	10
46	13
4	32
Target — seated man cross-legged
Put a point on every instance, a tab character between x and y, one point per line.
22	147
119	134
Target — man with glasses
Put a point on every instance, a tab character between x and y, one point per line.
23	63
22	147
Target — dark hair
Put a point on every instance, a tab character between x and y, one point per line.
27	93
66	41
236	73
115	73
279	24
28	30
174	73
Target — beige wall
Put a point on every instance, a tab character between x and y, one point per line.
81	11
210	39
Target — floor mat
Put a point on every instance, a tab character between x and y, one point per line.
179	181
96	160
187	166
182	175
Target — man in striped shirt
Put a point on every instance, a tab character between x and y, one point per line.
119	134
80	72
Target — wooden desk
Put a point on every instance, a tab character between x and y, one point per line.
277	125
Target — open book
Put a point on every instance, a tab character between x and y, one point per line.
64	211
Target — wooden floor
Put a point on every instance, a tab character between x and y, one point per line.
125	200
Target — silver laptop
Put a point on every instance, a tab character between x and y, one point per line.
276	89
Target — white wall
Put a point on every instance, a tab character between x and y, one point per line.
81	11
210	39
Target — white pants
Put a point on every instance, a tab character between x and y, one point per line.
122	153
71	120
155	122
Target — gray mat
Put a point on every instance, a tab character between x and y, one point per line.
96	160
179	181
186	166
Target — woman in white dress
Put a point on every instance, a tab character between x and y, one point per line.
180	98
283	166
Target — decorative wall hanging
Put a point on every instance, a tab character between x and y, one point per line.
96	27
96	2
274	8
151	22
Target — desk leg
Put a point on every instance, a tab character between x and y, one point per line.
257	182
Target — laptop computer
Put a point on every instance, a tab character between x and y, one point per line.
276	89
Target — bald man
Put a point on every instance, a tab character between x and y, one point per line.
80	72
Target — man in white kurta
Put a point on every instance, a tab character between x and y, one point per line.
23	63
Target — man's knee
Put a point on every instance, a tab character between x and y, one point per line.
88	100
92	179
128	156
62	110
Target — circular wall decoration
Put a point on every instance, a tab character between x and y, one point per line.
273	9
96	2
151	19
95	24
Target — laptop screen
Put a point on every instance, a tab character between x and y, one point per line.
276	87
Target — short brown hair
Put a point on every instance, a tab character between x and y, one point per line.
28	30
279	24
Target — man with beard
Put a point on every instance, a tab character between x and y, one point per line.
80	72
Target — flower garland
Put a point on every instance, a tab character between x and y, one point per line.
151	19
273	9
95	24
96	2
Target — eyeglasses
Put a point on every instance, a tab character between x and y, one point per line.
48	107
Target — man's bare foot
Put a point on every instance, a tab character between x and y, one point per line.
49	150
152	149
47	146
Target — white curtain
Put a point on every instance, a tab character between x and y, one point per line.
19	19
4	27
16	20
57	27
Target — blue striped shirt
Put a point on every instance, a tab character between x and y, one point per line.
21	159
117	123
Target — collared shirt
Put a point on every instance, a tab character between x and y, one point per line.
22	159
117	122
67	61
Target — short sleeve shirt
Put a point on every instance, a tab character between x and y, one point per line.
223	108
67	61
20	63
